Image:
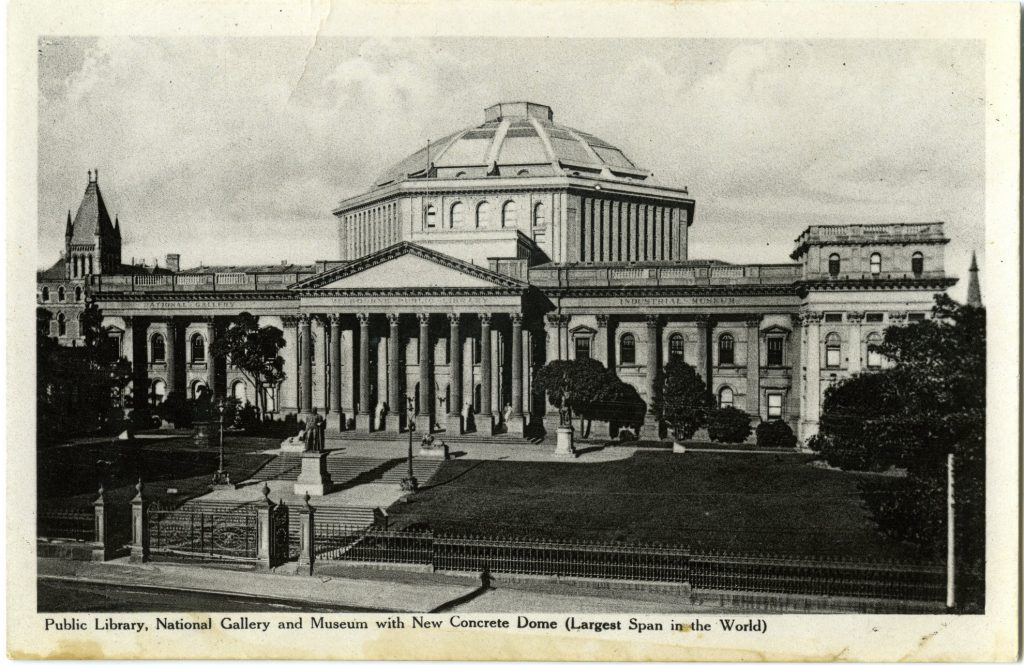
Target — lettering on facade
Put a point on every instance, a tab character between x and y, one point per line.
677	302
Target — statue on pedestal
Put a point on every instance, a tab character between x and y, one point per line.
313	435
379	414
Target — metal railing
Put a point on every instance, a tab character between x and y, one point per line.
202	532
66	524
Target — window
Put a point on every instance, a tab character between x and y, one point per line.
917	264
833	350
627	349
833	317
874	357
238	391
60	294
725	397
62	325
833	265
46	294
873	317
78	294
539	215
675	345
508	215
416	399
197	388
198	349
483	214
876	264
725	350
156	349
582	348
916	316
458	214
774	406
774	351
431	217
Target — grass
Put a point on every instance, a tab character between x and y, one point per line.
743	503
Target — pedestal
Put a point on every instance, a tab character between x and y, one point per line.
515	425
439	451
424	424
454	424
651	429
563	442
313	479
364	422
484	424
292	446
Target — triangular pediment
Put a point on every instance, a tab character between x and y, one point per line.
408	266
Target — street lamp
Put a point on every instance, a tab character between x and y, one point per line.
409	483
221	477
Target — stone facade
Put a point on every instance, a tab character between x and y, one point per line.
504	246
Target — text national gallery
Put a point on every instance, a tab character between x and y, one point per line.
488	253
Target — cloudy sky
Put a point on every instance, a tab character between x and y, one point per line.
235	150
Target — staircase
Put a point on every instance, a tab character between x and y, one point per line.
453	441
346	470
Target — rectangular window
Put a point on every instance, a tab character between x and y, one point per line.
874	358
833	317
774	351
774	406
873	317
582	348
915	316
832	356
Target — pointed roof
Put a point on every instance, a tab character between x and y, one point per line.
92	217
973	286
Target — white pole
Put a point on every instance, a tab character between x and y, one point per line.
950	536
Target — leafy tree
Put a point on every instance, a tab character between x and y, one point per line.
775	434
255	351
576	384
728	425
683	401
930	403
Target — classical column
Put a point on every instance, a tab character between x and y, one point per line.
424	421
516	423
171	357
306	371
364	417
337	416
455	424
551	338
395	407
812	406
211	361
855	362
601	341
567	353
485	419
754	366
703	323
651	429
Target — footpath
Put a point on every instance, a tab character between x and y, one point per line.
362	589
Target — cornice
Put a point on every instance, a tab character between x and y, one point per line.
424	292
201	296
870	284
656	291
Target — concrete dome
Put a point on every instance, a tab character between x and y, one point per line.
516	139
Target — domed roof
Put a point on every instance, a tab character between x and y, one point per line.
516	139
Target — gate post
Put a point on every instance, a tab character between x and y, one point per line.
140	529
306	530
101	529
265	531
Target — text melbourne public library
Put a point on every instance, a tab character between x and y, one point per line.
484	255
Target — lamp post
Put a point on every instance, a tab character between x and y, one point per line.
409	483
221	477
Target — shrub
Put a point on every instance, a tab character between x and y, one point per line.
728	425
176	409
775	434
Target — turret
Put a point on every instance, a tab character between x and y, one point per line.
973	286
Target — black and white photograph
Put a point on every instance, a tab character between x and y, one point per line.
572	336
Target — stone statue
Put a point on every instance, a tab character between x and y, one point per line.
379	414
313	436
506	413
564	420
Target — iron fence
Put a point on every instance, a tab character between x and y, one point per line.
196	532
337	542
66	524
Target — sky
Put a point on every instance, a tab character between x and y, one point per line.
235	150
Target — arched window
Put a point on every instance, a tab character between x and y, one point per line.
62	325
539	215
158	391
917	264
874	357
198	349
238	391
675	345
156	349
46	294
833	350
483	214
876	264
78	294
833	265
458	214
725	397
627	349
725	350
60	294
431	217
508	215
197	388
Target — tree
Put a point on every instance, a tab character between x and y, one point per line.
728	425
255	351
576	384
683	401
930	403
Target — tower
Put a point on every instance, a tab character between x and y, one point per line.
973	287
92	242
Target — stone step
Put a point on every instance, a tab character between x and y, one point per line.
345	469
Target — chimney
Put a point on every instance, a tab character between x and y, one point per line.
173	262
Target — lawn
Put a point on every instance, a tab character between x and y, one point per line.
756	503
